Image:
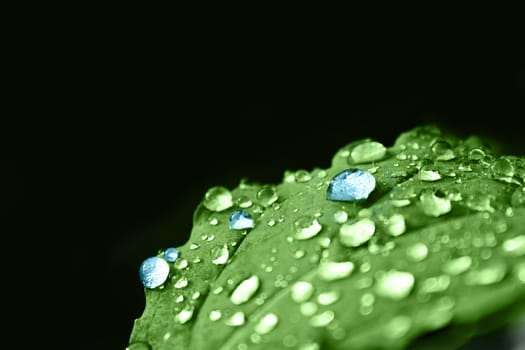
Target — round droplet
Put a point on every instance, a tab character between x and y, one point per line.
458	265
518	197
367	152
171	254
185	314
356	234
396	225
395	285
435	284
306	227
302	176
487	275
235	320
241	220
514	246
215	315
323	319
428	172
181	264
267	196
218	198
266	324
153	272
331	271
351	185
220	255
243	202
245	290
340	216
308	309
328	298
398	327
502	167
181	283
417	252
433	205
442	150
301	291
476	154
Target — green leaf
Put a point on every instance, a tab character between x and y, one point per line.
446	257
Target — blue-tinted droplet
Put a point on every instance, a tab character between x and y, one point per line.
351	185
171	254
153	272
241	220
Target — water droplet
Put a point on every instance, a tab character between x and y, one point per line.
181	283
433	205
323	319
218	198
367	152
442	150
301	291
435	284
398	203
220	255
153	272
351	185
398	327
328	298
185	314
308	308
245	290
310	346
458	265
417	252
476	154
267	196
487	275
194	246
266	324
396	225
395	285
241	220
215	315
306	227
515	246
243	202
181	264
518	197
331	271
302	176
179	299
235	320
214	221
299	254
324	242
356	234
196	295
367	299
340	216
171	254
502	167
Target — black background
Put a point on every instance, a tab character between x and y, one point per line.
113	144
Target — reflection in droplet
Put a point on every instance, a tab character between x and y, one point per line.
218	198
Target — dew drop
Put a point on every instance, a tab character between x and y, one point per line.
328	298
194	246
340	216
323	319
153	272
181	264
398	327
301	291
302	176
351	185
417	252
243	202
245	290
487	275
220	255
502	167
398	203
185	314
331	271
171	254
458	265
179	299
266	324
433	205
267	196
396	225
241	220
367	152
235	320
435	284
181	283
395	285
442	150
271	222
476	154
308	308
218	198
306	227
515	246
215	315
429	174
299	254
356	234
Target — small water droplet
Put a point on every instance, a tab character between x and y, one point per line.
367	152
308	309
356	234
194	246
181	264
398	203
243	202
433	205
515	246
395	285
214	221
218	290
266	324
502	168
417	252
486	275
196	295
428	172
302	176
171	254
351	185
331	271
267	196
215	315
340	216
185	314
153	272
235	320
179	299
306	227
323	319
245	290
241	220
218	198
220	255
396	225
310	346
458	265
181	283
301	291
442	150
435	284
476	154
271	222
367	299
289	341
328	298
398	327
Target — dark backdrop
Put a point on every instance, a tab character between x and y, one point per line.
111	151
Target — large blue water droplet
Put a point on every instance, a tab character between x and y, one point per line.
171	254
241	220
351	185
153	272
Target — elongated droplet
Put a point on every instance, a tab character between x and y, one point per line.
515	246
351	185
433	205
487	275
306	227
301	291
153	272
328	298
245	290
366	152
417	252
171	254
267	196
218	198
323	319
458	265
442	150
395	285
266	324
241	220
235	320
185	314
331	271
429	174
358	233
220	255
